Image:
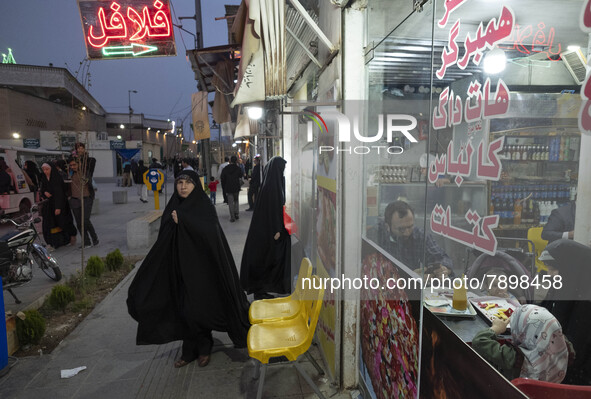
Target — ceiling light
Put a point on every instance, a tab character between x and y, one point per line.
16	135
234	144
255	112
494	61
83	108
122	126
118	137
149	129
573	47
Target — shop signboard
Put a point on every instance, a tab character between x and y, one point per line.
117	144
67	142
127	29
31	143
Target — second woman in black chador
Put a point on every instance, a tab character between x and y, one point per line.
188	284
267	252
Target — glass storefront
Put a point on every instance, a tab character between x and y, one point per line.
493	88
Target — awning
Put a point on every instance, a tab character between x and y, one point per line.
262	73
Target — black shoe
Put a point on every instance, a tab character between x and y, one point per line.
249	210
144	201
237	217
232	220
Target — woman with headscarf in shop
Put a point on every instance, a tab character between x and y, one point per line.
266	258
58	225
569	299
188	284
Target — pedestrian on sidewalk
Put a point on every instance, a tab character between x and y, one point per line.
220	170
213	188
231	178
188	285
142	189
267	252
82	189
58	226
255	183
126	173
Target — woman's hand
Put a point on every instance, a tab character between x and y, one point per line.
276	236
175	217
47	195
57	212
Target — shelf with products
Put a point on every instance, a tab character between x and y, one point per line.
539	175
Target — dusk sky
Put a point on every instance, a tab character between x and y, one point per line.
40	32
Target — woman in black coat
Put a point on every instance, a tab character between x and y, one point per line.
58	224
188	284
266	257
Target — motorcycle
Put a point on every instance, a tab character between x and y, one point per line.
18	249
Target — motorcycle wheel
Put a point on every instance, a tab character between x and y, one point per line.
49	268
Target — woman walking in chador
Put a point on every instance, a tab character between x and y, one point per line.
188	284
267	252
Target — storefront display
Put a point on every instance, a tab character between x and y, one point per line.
503	149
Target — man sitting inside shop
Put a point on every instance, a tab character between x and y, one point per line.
398	235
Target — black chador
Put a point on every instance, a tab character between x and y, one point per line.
188	283
266	256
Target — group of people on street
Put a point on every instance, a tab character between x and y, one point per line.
62	204
188	284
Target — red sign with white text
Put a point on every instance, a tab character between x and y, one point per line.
127	28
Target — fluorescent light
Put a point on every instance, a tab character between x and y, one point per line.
118	137
573	47
121	126
255	112
16	135
494	61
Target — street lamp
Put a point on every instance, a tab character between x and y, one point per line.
130	110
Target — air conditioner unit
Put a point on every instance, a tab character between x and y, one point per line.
576	64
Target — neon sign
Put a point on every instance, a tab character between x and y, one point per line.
8	58
539	41
127	28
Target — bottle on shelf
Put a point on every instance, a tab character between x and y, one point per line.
517	211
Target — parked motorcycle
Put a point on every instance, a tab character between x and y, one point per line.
18	249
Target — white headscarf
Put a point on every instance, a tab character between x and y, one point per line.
539	336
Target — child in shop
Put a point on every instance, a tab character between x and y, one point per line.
213	188
538	349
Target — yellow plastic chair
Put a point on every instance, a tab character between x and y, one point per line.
286	308
289	338
534	234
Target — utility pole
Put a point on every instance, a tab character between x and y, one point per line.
130	110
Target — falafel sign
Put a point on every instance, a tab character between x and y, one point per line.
127	28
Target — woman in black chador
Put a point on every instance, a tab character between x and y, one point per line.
266	257
188	284
58	224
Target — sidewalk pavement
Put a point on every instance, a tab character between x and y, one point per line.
116	368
